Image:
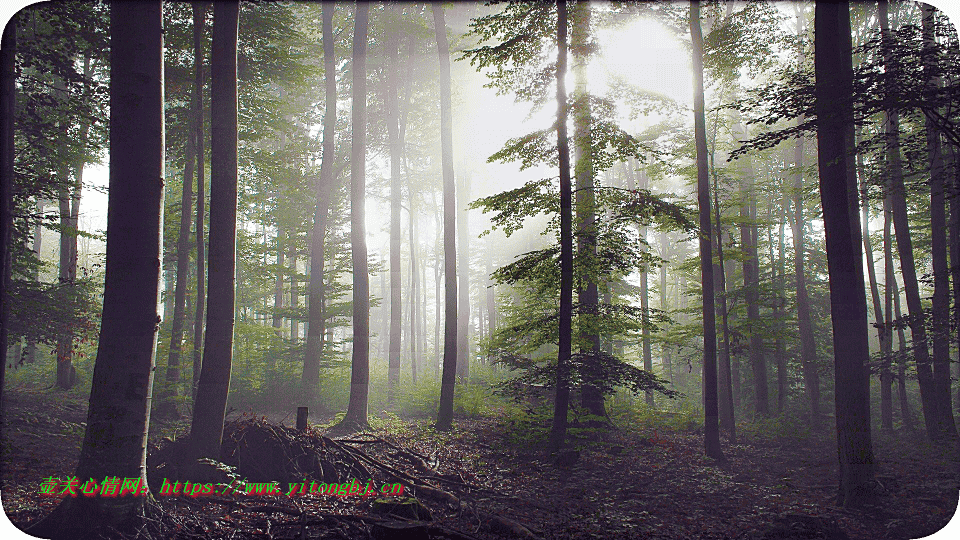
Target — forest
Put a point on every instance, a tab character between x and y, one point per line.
504	270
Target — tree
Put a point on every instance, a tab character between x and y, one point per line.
8	98
206	430
946	428
463	286
838	195
393	135
586	206
199	24
169	407
711	426
114	442
449	376
322	190
562	401
360	372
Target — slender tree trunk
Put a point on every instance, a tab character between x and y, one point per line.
294	291
946	427
445	414
277	319
665	357
561	403
882	334
726	405
206	430
8	99
585	200
751	284
168	408
886	376
808	344
323	188
393	136
848	307
199	23
114	442
414	292
902	351
360	373
491	294
908	267
463	287
711	424
954	198
776	264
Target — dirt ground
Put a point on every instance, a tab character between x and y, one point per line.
634	484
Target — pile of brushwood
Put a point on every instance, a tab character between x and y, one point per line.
255	452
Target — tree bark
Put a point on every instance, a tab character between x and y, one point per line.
168	408
711	426
206	431
585	200
360	372
448	381
908	267
848	307
561	403
114	441
463	276
8	99
310	379
946	427
393	136
725	376
808	344
751	285
199	24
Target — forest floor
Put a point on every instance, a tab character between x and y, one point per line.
633	483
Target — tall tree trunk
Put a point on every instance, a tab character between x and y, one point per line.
886	376
665	349
882	333
114	441
206	431
725	392
414	291
8	99
168	407
199	24
902	349
69	194
360	372
711	426
294	291
277	319
808	344
585	200
848	305
437	288
463	276
561	403
776	263
323	188
492	293
393	136
954	197
448	381
908	267
645	304
751	294
946	427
